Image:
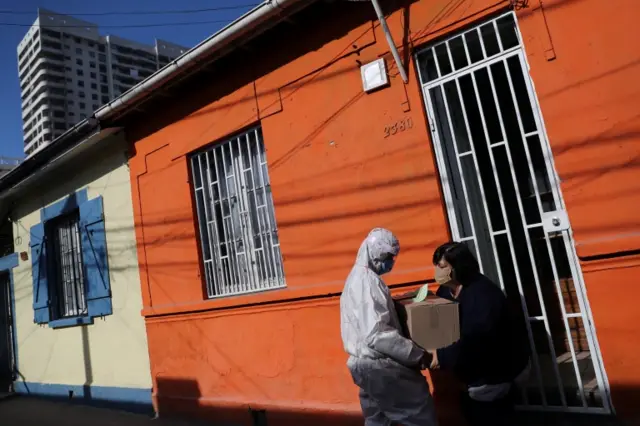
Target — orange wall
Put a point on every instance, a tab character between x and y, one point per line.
335	176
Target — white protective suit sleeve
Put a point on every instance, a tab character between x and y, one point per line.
385	336
369	322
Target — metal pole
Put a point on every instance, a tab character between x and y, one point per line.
392	46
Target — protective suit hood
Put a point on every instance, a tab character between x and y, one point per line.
378	251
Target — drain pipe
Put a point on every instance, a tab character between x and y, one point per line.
392	46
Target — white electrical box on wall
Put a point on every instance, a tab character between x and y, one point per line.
374	75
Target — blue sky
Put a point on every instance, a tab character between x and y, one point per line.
186	35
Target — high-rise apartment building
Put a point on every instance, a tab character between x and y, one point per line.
68	70
7	164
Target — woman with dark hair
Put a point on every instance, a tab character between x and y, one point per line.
493	348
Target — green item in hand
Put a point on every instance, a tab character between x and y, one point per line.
422	294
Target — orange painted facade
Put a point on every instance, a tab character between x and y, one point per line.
335	175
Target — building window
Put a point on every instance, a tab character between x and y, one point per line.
238	233
68	281
95	106
94	96
104	89
105	99
79	62
94	86
101	48
92	65
80	73
93	75
78	51
69	263
80	83
92	54
82	105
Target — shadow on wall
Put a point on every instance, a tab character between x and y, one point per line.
181	398
83	395
65	181
176	397
304	36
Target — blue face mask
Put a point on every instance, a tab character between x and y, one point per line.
387	265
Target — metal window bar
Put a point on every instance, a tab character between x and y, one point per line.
527	237
461	172
225	274
248	255
239	242
231	216
264	220
70	294
455	74
470	63
445	180
536	361
550	252
465	196
492	233
503	211
556	278
584	306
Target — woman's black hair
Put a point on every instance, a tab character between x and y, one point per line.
463	262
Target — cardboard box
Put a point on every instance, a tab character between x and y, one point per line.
432	324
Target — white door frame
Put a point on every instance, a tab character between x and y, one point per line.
565	232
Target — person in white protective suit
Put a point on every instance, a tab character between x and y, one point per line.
384	364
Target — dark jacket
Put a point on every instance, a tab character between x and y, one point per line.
493	346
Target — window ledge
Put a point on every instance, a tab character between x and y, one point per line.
70	322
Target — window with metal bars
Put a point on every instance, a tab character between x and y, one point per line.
238	232
69	296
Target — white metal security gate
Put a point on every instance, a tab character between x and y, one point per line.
503	200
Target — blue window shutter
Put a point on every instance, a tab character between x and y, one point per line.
94	258
39	272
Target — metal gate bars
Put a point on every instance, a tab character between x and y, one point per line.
503	200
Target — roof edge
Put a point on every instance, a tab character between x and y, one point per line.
241	27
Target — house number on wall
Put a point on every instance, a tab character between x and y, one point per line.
398	127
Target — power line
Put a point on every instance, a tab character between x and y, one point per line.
164	24
140	12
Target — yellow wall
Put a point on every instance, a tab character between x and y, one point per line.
113	351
